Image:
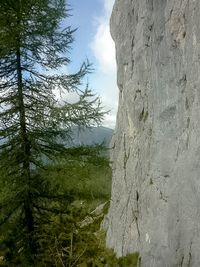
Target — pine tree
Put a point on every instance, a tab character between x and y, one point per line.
33	45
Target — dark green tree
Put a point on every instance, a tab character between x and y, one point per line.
33	45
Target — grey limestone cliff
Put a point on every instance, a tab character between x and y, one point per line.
155	204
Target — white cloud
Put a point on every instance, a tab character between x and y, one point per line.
110	121
102	45
103	49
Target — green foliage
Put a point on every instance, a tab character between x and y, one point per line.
89	180
33	48
130	260
73	238
84	173
82	177
70	244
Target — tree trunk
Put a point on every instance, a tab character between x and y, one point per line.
25	148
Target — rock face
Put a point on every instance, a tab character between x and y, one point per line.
155	205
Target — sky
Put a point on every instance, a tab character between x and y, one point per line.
93	42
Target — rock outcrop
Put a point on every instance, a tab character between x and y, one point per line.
155	204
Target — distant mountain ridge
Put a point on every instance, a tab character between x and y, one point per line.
91	136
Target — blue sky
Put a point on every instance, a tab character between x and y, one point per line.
83	17
93	41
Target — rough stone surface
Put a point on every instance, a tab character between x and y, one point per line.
155	205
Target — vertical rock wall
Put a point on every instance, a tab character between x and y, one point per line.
155	205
